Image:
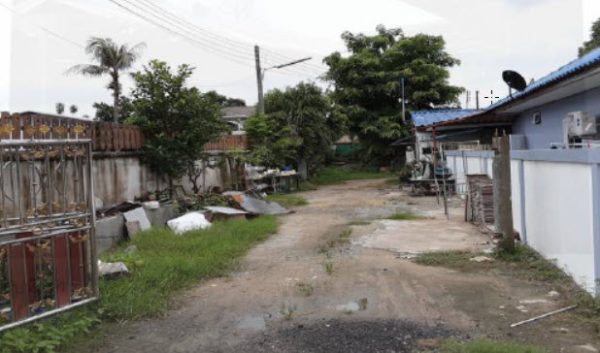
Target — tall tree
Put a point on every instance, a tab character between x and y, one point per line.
367	84
110	59
226	101
105	112
594	41
177	120
60	108
299	127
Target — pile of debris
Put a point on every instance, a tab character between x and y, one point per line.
196	213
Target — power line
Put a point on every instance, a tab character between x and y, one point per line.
229	56
223	43
52	33
240	59
220	40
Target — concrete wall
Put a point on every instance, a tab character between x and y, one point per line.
475	162
556	204
119	179
556	208
551	129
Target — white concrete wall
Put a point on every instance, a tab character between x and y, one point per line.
559	215
474	164
515	193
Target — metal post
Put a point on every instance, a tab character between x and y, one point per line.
260	107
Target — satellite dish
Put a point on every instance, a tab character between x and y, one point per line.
514	80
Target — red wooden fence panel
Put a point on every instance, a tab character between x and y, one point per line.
61	271
18	280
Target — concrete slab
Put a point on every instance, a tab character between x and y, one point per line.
419	236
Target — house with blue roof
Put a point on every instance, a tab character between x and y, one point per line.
420	143
555	164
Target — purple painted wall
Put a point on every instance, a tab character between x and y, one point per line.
551	129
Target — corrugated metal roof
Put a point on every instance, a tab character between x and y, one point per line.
238	112
433	116
571	69
590	59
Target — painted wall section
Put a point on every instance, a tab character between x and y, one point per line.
551	129
559	219
476	162
124	178
515	194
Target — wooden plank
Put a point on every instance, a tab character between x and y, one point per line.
61	271
77	262
18	282
29	266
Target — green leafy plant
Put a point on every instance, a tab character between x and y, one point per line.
368	89
50	335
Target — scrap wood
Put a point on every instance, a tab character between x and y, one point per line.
543	316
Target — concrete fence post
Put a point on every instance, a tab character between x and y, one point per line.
502	194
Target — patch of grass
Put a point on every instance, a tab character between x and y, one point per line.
487	346
457	260
287	200
534	265
49	335
166	262
307	186
328	176
306	289
345	236
392	181
288	311
404	216
525	261
328	267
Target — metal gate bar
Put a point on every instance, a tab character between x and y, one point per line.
48	258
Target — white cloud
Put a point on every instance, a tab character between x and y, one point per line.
533	37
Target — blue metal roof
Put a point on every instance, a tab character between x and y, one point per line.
433	116
570	69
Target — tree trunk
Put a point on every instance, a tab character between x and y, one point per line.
116	94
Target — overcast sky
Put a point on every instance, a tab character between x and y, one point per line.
41	39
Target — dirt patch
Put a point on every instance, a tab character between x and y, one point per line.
336	336
370	296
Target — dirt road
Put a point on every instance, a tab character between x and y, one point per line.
308	289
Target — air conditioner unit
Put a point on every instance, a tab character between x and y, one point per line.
580	124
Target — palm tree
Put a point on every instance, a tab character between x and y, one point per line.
111	59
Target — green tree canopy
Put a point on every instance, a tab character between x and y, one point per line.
177	120
298	128
594	41
105	112
367	83
225	101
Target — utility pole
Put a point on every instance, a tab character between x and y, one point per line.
260	107
260	75
477	100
